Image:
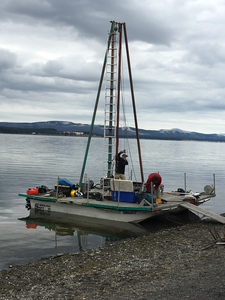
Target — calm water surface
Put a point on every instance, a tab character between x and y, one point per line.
30	161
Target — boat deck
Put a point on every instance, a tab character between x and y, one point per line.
169	200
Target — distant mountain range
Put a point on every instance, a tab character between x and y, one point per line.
172	134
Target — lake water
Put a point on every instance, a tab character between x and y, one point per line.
29	161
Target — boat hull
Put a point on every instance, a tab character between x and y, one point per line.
107	209
132	216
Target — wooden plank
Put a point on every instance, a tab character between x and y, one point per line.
204	212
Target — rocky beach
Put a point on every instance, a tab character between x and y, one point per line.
182	262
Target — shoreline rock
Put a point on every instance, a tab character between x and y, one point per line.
169	264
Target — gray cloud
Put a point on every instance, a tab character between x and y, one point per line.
52	52
7	60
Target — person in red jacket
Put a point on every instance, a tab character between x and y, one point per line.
155	179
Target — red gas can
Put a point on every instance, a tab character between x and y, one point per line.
32	191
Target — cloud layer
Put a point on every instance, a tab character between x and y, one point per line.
51	56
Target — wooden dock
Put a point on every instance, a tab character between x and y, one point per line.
204	212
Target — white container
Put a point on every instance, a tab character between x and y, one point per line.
209	189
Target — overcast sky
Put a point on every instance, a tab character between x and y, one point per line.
52	51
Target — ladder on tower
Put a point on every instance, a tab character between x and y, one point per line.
110	106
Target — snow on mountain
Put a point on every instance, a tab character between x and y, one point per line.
129	129
133	130
66	123
174	130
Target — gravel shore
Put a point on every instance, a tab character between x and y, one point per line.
183	262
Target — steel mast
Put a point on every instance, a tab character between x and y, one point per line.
112	101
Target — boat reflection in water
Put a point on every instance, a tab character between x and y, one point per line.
110	231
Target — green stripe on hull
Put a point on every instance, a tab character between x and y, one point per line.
114	207
37	197
117	208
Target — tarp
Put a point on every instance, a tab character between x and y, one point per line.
65	182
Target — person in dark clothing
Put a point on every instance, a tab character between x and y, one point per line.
121	163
